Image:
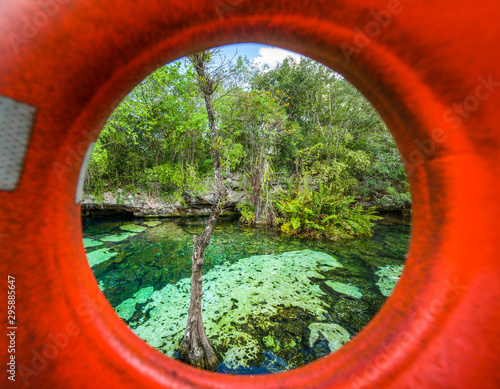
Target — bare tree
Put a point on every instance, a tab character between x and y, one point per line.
195	347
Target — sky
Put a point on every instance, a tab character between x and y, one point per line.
259	54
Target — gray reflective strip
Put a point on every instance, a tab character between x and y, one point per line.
83	173
16	123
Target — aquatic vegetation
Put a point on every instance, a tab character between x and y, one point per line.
334	334
347	289
389	276
127	308
269	300
168	231
98	256
271	343
143	295
101	285
246	294
152	223
133	227
88	243
117	238
246	348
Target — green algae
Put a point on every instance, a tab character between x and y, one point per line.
271	343
133	227
98	256
248	292
152	223
333	333
127	308
101	285
143	295
117	238
167	232
388	277
245	348
347	289
88	243
167	318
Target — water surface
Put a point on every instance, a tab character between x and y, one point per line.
271	302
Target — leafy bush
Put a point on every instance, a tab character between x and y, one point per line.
247	213
322	213
95	181
393	199
170	177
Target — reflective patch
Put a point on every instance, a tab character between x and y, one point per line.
16	123
83	172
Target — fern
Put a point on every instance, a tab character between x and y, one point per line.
247	213
322	213
295	223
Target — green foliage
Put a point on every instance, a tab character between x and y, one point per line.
247	213
172	178
154	137
394	199
299	120
232	154
322	213
98	168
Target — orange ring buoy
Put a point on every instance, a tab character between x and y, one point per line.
431	70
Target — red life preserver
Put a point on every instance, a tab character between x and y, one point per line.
431	70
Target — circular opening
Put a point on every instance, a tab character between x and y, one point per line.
399	73
296	139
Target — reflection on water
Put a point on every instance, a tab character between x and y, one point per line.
270	302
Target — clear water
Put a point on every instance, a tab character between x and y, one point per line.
323	301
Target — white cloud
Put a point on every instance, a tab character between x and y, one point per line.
272	56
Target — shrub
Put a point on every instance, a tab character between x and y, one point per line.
247	213
322	213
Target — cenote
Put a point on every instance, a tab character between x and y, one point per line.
271	302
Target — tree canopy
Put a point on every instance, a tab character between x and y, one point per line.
299	121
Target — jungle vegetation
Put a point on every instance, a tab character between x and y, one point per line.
304	143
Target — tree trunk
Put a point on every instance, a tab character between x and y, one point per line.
195	348
259	187
257	194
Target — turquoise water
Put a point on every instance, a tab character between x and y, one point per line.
271	302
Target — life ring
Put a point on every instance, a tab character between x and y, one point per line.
431	70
